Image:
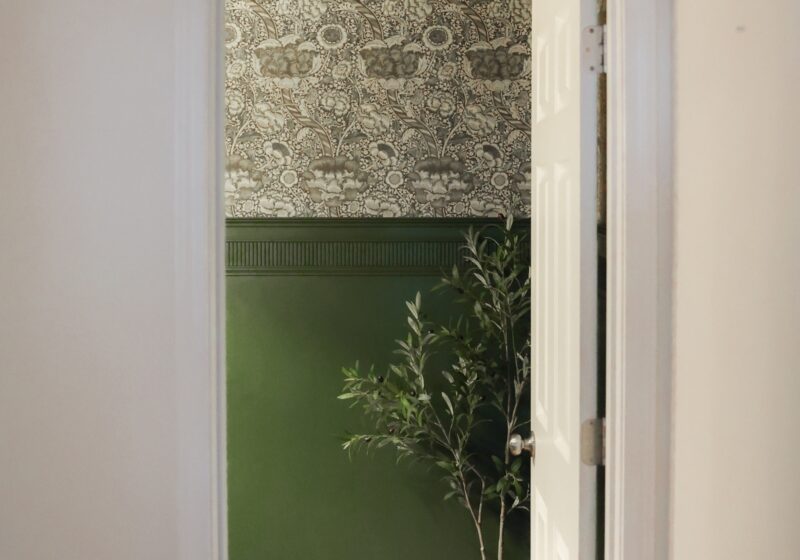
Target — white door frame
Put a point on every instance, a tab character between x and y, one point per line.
639	325
199	277
639	282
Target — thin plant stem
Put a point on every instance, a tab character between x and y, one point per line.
475	519
501	529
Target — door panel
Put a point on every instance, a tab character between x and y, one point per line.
565	273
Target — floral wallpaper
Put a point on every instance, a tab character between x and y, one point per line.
383	108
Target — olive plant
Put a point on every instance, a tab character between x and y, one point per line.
456	412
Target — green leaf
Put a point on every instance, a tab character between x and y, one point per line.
448	403
498	463
444	465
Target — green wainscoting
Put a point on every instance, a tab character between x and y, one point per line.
305	297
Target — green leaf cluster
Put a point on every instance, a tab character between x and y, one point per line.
459	417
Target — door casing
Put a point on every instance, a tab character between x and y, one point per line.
199	221
639	300
639	271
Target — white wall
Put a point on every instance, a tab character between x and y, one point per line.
94	444
737	281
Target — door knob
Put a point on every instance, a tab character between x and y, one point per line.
517	444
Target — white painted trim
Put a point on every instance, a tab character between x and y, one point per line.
199	279
639	279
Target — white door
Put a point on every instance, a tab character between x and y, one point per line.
565	280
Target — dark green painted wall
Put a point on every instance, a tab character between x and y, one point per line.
299	307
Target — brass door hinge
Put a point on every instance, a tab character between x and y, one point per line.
593	442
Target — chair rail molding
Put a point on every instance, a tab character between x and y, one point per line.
639	323
349	246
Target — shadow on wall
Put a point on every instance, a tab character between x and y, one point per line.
377	108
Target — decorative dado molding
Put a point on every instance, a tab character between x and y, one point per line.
346	246
345	257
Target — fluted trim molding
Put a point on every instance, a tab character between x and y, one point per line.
346	246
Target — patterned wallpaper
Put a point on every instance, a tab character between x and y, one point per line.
377	107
